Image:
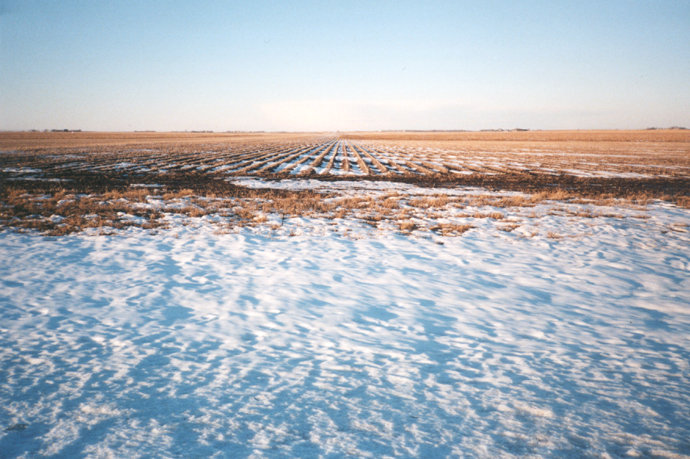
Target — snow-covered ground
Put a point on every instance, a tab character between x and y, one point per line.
188	343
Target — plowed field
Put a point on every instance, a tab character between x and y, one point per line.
616	163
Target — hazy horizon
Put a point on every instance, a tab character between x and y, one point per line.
211	131
356	66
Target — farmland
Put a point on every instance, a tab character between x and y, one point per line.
447	157
389	294
307	174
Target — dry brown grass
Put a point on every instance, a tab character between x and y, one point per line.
178	194
451	229
660	135
428	202
407	225
72	212
71	140
246	214
64	213
390	202
683	201
492	215
527	200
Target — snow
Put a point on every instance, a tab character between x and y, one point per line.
357	187
20	170
253	344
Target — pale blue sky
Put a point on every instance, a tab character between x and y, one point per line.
336	65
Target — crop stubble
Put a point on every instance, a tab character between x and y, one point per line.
636	165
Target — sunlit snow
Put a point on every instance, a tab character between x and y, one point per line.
188	343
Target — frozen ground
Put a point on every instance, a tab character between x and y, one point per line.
639	159
192	344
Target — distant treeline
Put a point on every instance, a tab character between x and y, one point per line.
455	130
56	130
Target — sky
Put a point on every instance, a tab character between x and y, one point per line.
343	65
